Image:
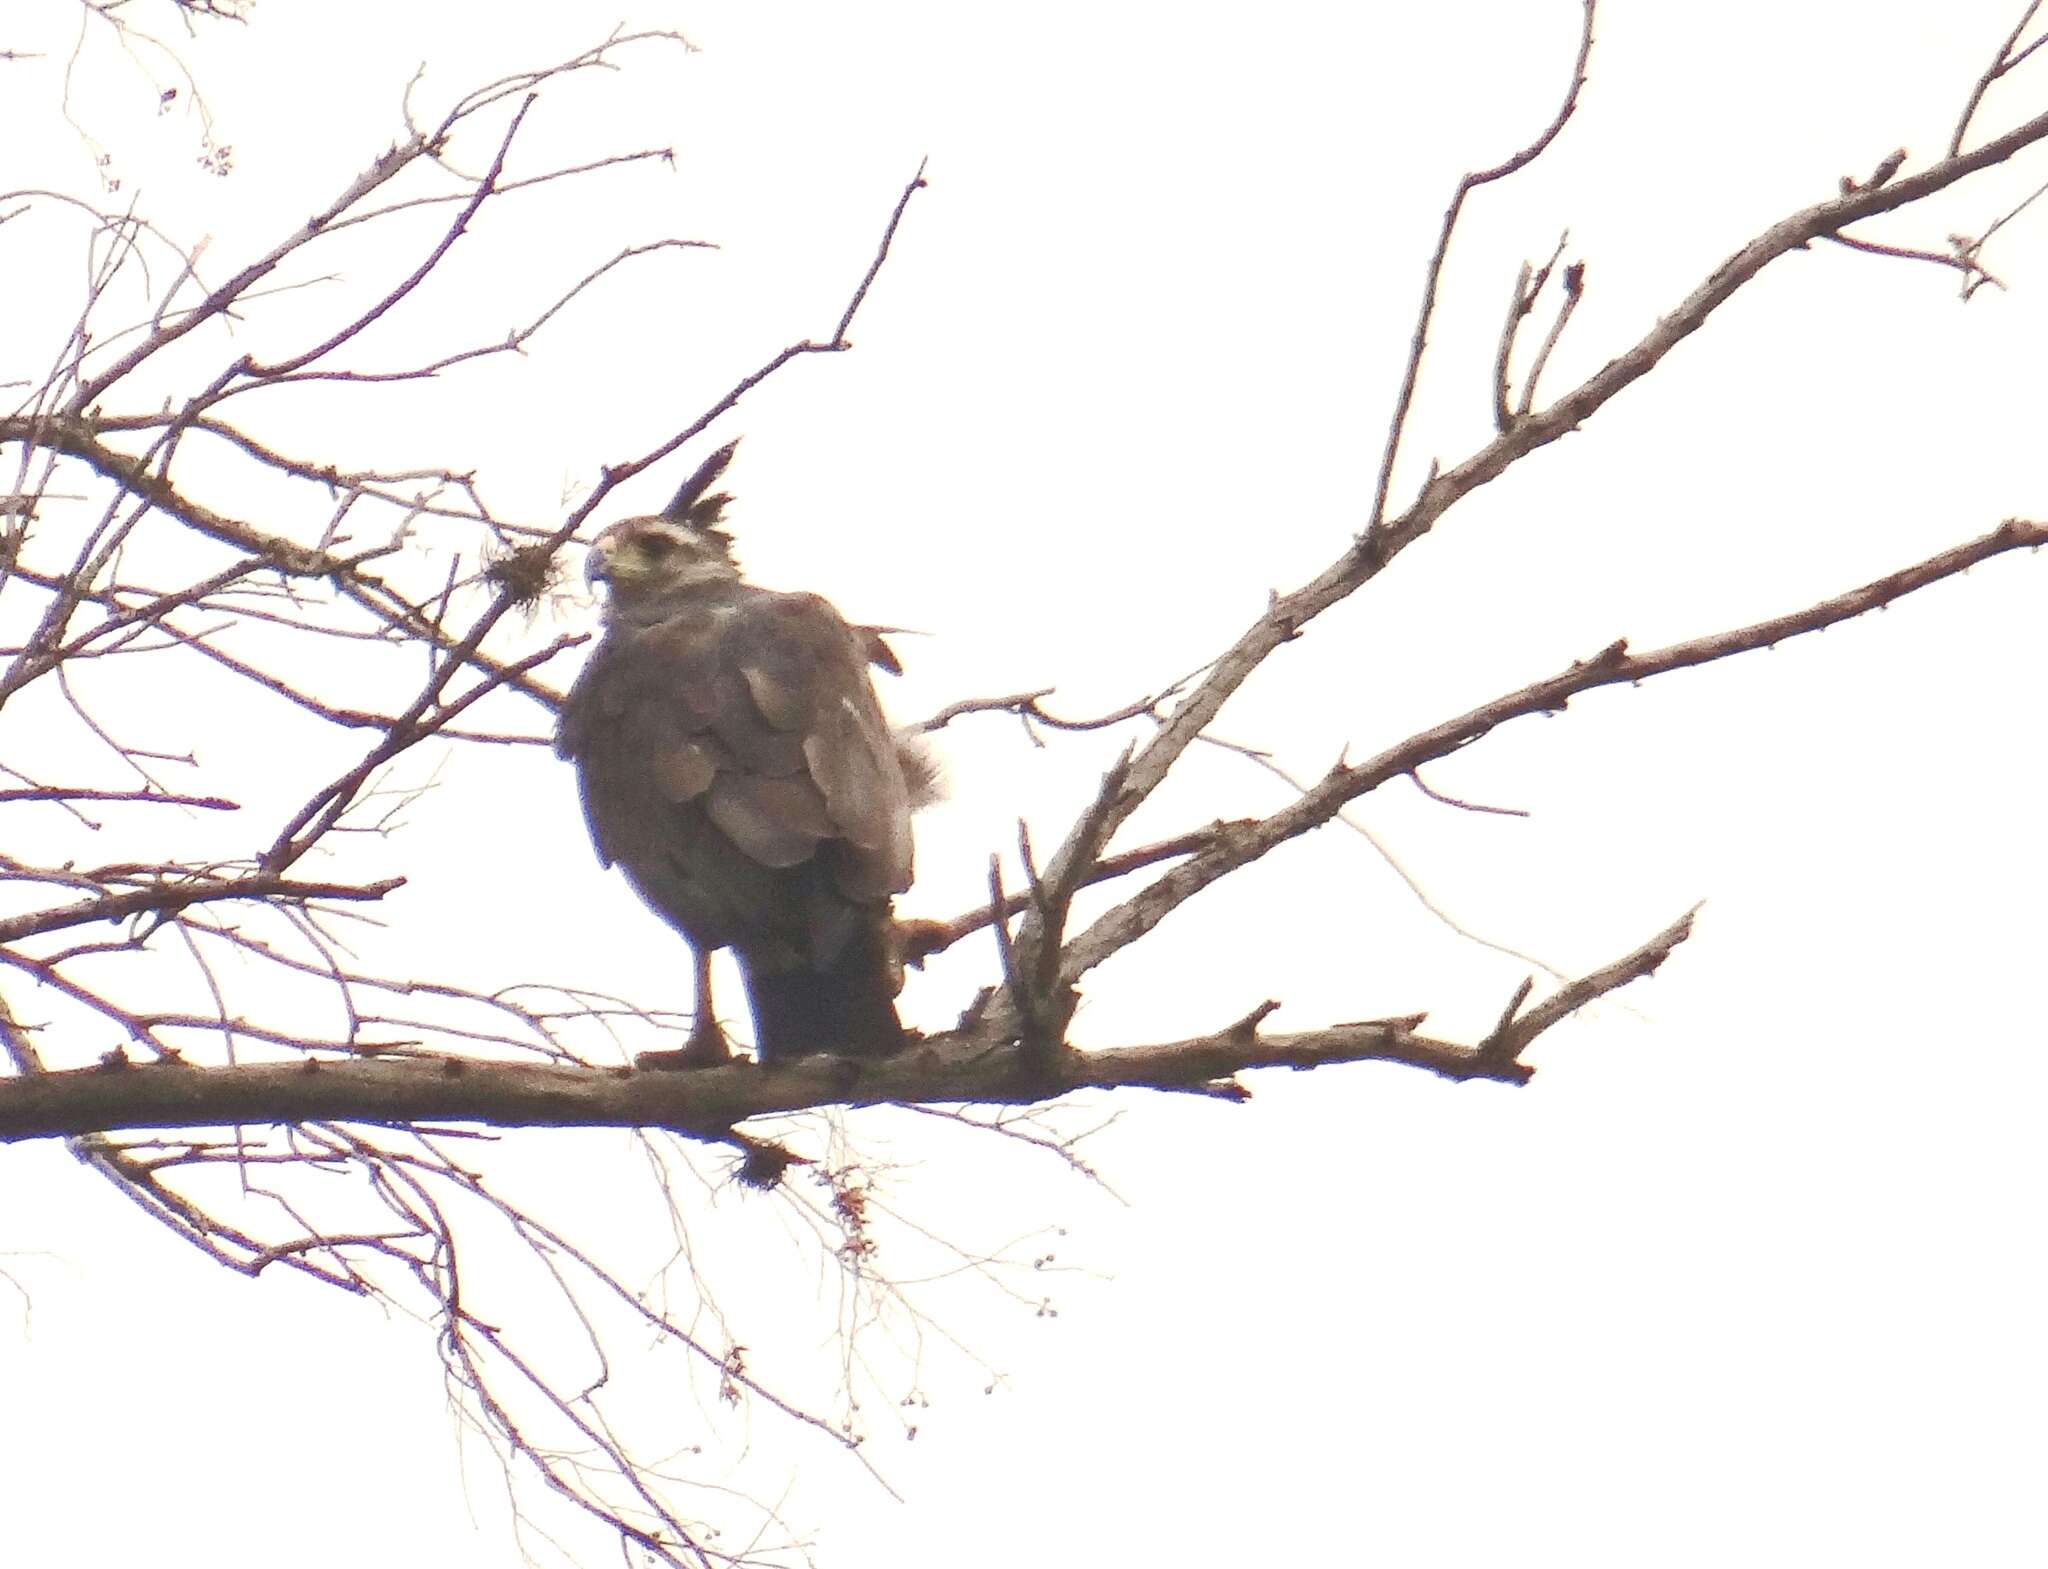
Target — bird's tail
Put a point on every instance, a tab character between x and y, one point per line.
847	1008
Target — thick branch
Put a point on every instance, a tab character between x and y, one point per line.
1289	613
706	1102
1238	844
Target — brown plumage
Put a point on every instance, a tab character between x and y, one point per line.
735	765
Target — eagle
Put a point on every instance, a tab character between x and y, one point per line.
734	763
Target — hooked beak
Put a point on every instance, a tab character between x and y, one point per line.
597	566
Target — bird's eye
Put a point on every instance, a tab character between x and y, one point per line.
656	546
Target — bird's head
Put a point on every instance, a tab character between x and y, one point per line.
682	547
644	557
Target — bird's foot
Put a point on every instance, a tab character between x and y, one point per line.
912	942
706	1048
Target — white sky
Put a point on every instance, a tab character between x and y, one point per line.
1749	1273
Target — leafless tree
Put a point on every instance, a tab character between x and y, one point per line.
191	1016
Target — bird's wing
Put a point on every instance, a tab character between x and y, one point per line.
817	760
757	709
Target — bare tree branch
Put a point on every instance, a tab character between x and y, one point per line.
1238	845
1290	613
2006	60
335	1115
705	1103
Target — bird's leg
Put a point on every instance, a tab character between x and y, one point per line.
706	1046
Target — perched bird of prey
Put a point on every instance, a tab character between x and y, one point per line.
735	765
